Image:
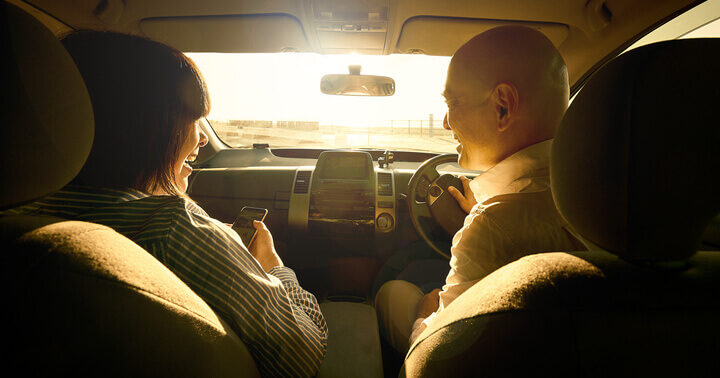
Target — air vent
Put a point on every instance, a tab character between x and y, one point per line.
302	182
385	184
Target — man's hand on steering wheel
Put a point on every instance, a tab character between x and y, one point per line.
466	201
428	198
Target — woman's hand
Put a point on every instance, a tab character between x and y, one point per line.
467	201
263	248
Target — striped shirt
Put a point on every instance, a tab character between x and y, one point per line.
280	323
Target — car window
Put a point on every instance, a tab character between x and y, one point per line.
276	99
706	15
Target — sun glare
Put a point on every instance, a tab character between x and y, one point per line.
286	87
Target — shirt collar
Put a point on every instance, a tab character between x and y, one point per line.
103	195
515	173
73	200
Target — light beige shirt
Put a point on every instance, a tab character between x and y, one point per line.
515	216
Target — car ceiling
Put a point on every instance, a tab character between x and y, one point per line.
585	31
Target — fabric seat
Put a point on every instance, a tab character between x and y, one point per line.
634	171
81	299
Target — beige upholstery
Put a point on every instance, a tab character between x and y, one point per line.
85	300
353	341
81	299
47	127
635	170
580	314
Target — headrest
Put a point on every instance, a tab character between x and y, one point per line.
48	120
635	164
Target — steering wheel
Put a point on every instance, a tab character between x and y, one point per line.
428	199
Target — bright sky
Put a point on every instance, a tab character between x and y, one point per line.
286	86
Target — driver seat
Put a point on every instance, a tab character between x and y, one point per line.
634	170
81	299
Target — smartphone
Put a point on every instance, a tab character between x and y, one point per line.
243	225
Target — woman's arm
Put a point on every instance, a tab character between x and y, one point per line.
279	321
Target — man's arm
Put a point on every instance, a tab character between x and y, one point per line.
429	304
479	248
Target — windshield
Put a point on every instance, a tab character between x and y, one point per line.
276	99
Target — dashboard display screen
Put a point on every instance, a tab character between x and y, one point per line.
346	167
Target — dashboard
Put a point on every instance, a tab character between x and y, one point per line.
342	200
336	216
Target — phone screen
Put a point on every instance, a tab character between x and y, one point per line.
243	225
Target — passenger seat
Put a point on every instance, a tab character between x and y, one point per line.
79	298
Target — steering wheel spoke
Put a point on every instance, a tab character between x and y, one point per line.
432	174
422	190
423	211
417	197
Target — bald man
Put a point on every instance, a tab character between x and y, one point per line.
506	91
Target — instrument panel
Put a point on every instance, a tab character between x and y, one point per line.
344	201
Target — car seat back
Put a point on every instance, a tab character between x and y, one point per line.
81	299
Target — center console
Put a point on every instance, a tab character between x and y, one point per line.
345	200
342	196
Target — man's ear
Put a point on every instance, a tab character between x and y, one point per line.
506	101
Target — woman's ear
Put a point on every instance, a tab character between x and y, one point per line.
506	101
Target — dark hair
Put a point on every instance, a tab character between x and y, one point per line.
145	96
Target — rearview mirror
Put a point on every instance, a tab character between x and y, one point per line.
354	84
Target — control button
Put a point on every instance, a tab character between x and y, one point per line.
435	191
385	204
384	222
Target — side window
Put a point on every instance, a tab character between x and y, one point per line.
703	21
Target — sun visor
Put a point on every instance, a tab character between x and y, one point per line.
259	33
444	35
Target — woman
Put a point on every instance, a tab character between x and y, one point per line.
148	98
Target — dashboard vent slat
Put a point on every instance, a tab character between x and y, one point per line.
385	184
302	182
